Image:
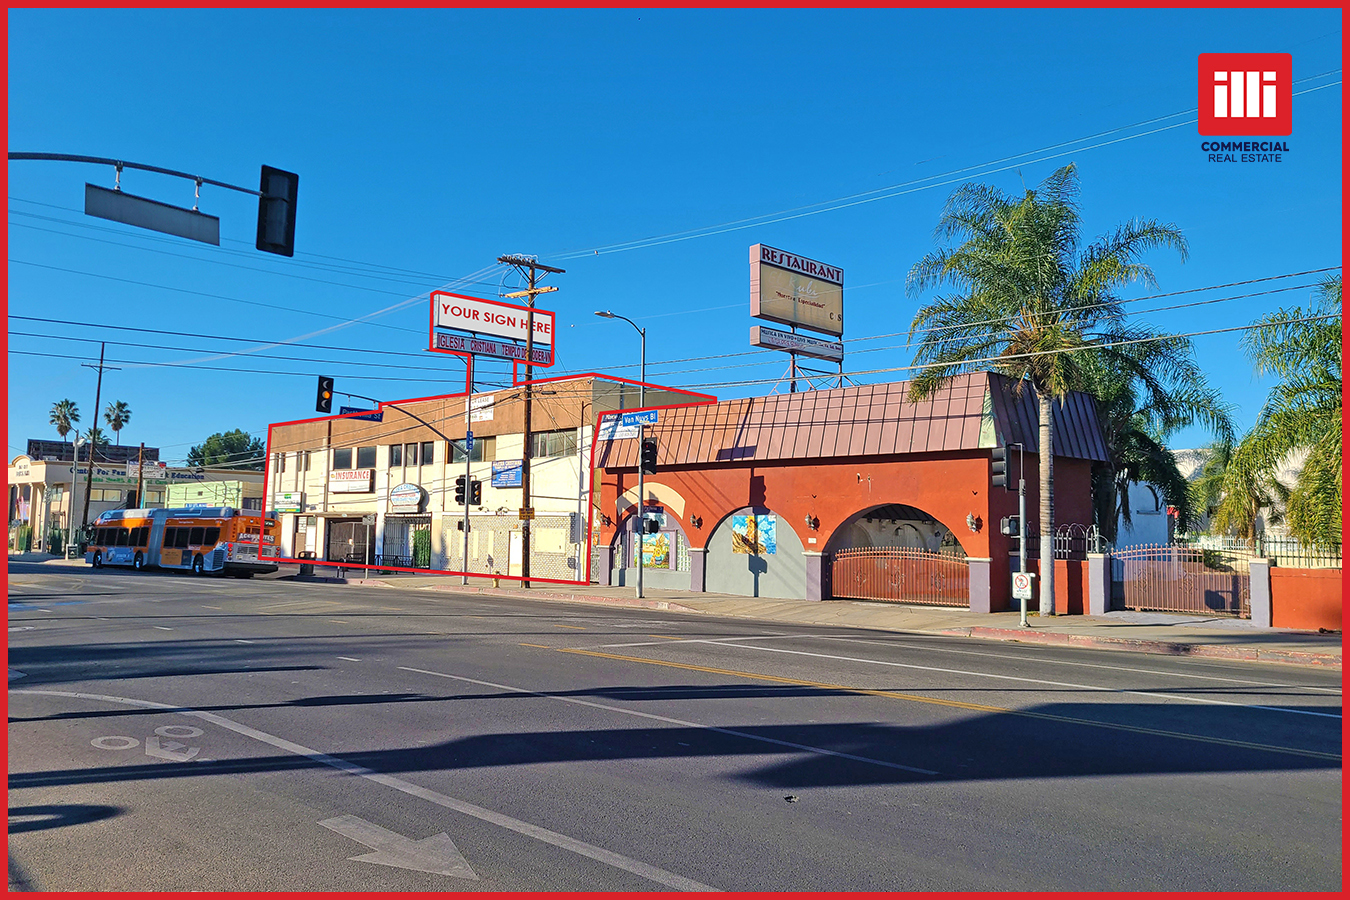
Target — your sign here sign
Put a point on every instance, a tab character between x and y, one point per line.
461	313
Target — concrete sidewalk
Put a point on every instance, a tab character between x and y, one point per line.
1145	632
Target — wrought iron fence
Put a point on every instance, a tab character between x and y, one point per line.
1071	542
1282	551
1172	578
900	575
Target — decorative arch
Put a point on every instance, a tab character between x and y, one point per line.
898	525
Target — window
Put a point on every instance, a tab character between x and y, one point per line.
395	455
170	535
553	443
365	457
212	536
281	462
484	450
195	536
428	452
342	458
154	496
410	454
123	534
304	461
181	538
143	536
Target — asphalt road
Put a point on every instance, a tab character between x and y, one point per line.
171	733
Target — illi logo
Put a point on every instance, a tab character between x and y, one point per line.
1246	94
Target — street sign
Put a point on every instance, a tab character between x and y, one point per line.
123	207
370	415
468	441
646	417
526	512
1021	585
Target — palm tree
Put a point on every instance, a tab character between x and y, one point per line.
1138	413
65	416
95	437
1302	413
117	414
1237	501
1029	303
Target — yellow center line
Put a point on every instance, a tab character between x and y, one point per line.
956	704
578	627
539	646
668	637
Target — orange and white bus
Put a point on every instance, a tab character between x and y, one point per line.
207	540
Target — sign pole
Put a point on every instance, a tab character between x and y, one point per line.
140	476
1022	520
468	428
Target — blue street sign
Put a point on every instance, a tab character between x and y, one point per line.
646	417
371	415
468	440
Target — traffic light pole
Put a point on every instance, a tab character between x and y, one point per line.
1022	520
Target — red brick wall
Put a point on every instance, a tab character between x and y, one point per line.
1305	598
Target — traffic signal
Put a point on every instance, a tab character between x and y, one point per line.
649	456
1010	525
476	492
459	490
999	468
324	401
276	211
650	526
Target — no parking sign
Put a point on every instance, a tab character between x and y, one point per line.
1022	585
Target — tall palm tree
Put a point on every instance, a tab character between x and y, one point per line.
117	414
95	438
65	416
1302	413
1237	501
1029	302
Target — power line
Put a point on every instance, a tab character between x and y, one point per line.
228	369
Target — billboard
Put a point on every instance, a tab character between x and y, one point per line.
794	290
463	324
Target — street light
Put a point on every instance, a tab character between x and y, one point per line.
642	401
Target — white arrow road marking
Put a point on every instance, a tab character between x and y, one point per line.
170	750
436	854
581	848
15	675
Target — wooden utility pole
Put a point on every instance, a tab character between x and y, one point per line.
98	398
527	512
140	476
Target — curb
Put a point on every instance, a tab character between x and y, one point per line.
1166	648
644	603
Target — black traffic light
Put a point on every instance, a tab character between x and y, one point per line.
650	526
1010	525
324	401
459	490
476	492
276	211
649	456
999	468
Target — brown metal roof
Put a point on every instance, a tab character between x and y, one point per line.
866	420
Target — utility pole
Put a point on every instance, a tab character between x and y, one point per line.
98	398
522	263
140	476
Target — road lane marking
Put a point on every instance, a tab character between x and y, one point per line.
349	658
538	646
579	627
958	704
544	835
672	721
1039	681
437	854
241	641
161	627
204	606
667	637
1062	662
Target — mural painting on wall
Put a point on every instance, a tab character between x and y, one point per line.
754	535
655	551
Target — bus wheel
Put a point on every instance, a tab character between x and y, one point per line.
98	559
198	566
139	562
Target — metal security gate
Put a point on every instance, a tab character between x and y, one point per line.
901	575
407	542
1183	580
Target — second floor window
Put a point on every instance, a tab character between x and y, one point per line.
553	443
365	457
484	450
342	458
395	455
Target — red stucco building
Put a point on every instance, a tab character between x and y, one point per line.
859	469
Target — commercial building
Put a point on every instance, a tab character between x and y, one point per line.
47	489
382	493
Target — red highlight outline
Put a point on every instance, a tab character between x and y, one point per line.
698	399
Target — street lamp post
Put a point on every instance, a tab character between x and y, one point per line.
642	401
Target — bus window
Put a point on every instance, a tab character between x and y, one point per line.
169	535
143	539
181	539
195	538
122	535
211	537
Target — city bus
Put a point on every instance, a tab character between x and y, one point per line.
211	540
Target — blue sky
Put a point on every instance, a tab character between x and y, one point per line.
431	142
